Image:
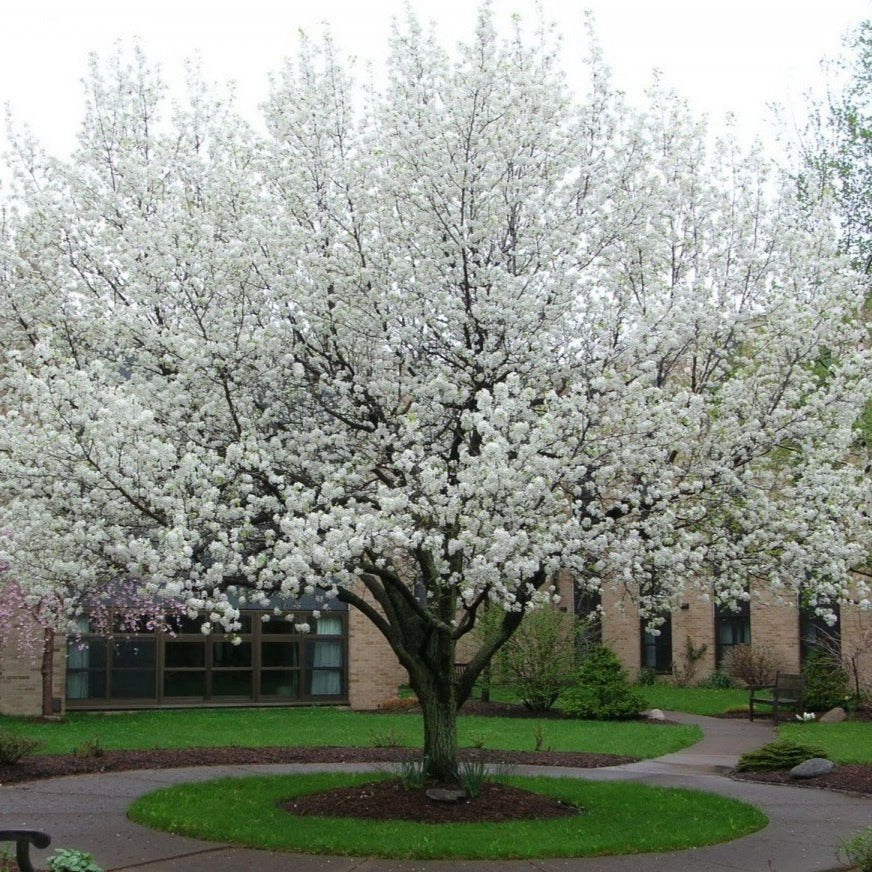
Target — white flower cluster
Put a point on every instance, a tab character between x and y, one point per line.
466	338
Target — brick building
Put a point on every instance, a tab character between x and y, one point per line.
344	660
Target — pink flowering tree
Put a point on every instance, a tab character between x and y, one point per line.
421	347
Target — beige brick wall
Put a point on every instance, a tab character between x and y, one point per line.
856	627
374	673
775	623
20	670
693	627
620	624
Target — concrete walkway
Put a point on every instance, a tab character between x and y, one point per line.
805	826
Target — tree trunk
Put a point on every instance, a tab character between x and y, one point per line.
439	709
46	669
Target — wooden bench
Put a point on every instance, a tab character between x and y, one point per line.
788	692
23	840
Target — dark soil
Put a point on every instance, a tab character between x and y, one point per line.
855	778
389	800
57	765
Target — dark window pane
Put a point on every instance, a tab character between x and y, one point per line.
279	654
133	683
86	684
122	623
278	625
815	634
231	683
133	652
185	684
285	684
657	650
184	624
228	654
86	654
180	654
732	627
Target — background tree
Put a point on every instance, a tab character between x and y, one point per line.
419	348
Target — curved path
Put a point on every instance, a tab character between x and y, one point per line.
805	826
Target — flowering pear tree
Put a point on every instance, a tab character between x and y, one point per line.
419	348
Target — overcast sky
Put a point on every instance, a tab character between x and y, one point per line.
724	55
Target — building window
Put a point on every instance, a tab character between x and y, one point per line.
732	627
272	661
588	611
815	634
657	648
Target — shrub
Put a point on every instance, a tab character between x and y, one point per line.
69	860
858	850
647	677
539	660
718	680
754	665
777	755
602	690
826	682
13	747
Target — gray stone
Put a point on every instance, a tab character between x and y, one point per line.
833	716
439	794
656	715
812	767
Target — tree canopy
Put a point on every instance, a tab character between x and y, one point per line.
420	347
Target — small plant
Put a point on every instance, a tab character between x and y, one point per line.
858	850
477	740
388	738
685	672
647	677
473	773
13	747
413	773
602	690
539	737
90	748
7	861
539	660
776	756
70	860
826	682
753	665
719	680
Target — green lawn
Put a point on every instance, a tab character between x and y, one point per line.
694	700
617	818
848	742
302	727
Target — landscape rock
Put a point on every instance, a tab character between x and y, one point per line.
833	716
655	715
811	768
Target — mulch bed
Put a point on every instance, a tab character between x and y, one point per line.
854	778
58	765
390	800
